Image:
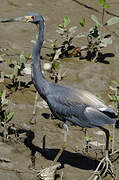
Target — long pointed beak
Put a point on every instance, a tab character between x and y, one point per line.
19	19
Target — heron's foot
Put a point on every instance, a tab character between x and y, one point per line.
48	173
104	167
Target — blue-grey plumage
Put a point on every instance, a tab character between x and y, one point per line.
67	104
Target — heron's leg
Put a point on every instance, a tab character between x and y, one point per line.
86	140
33	120
105	166
64	143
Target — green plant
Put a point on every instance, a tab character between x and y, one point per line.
82	23
17	68
115	88
55	71
5	117
114	95
67	34
104	5
2	56
96	41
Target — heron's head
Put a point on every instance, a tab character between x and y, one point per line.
31	17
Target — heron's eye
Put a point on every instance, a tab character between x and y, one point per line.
32	17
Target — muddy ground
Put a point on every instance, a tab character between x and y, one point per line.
15	155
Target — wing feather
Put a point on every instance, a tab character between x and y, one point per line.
97	118
77	112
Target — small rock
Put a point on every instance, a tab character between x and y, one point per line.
100	133
42	104
47	66
48	173
27	69
96	143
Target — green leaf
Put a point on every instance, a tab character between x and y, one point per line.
116	99
8	60
94	18
4	102
102	2
60	31
57	65
115	82
87	138
80	35
22	58
1	93
110	138
5	115
112	21
1	56
54	44
106	7
10	116
61	26
10	76
66	21
72	29
2	123
82	23
30	56
15	72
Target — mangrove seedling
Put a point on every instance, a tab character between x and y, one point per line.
5	117
104	5
96	41
67	34
17	68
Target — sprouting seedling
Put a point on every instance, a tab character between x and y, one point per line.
95	39
115	83
54	70
3	100
5	117
114	96
104	5
17	68
116	99
67	33
87	138
54	44
2	56
66	22
82	23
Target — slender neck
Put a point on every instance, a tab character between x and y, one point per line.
39	81
39	42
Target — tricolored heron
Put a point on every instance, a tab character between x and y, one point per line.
66	104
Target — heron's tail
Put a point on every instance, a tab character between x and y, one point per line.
109	112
